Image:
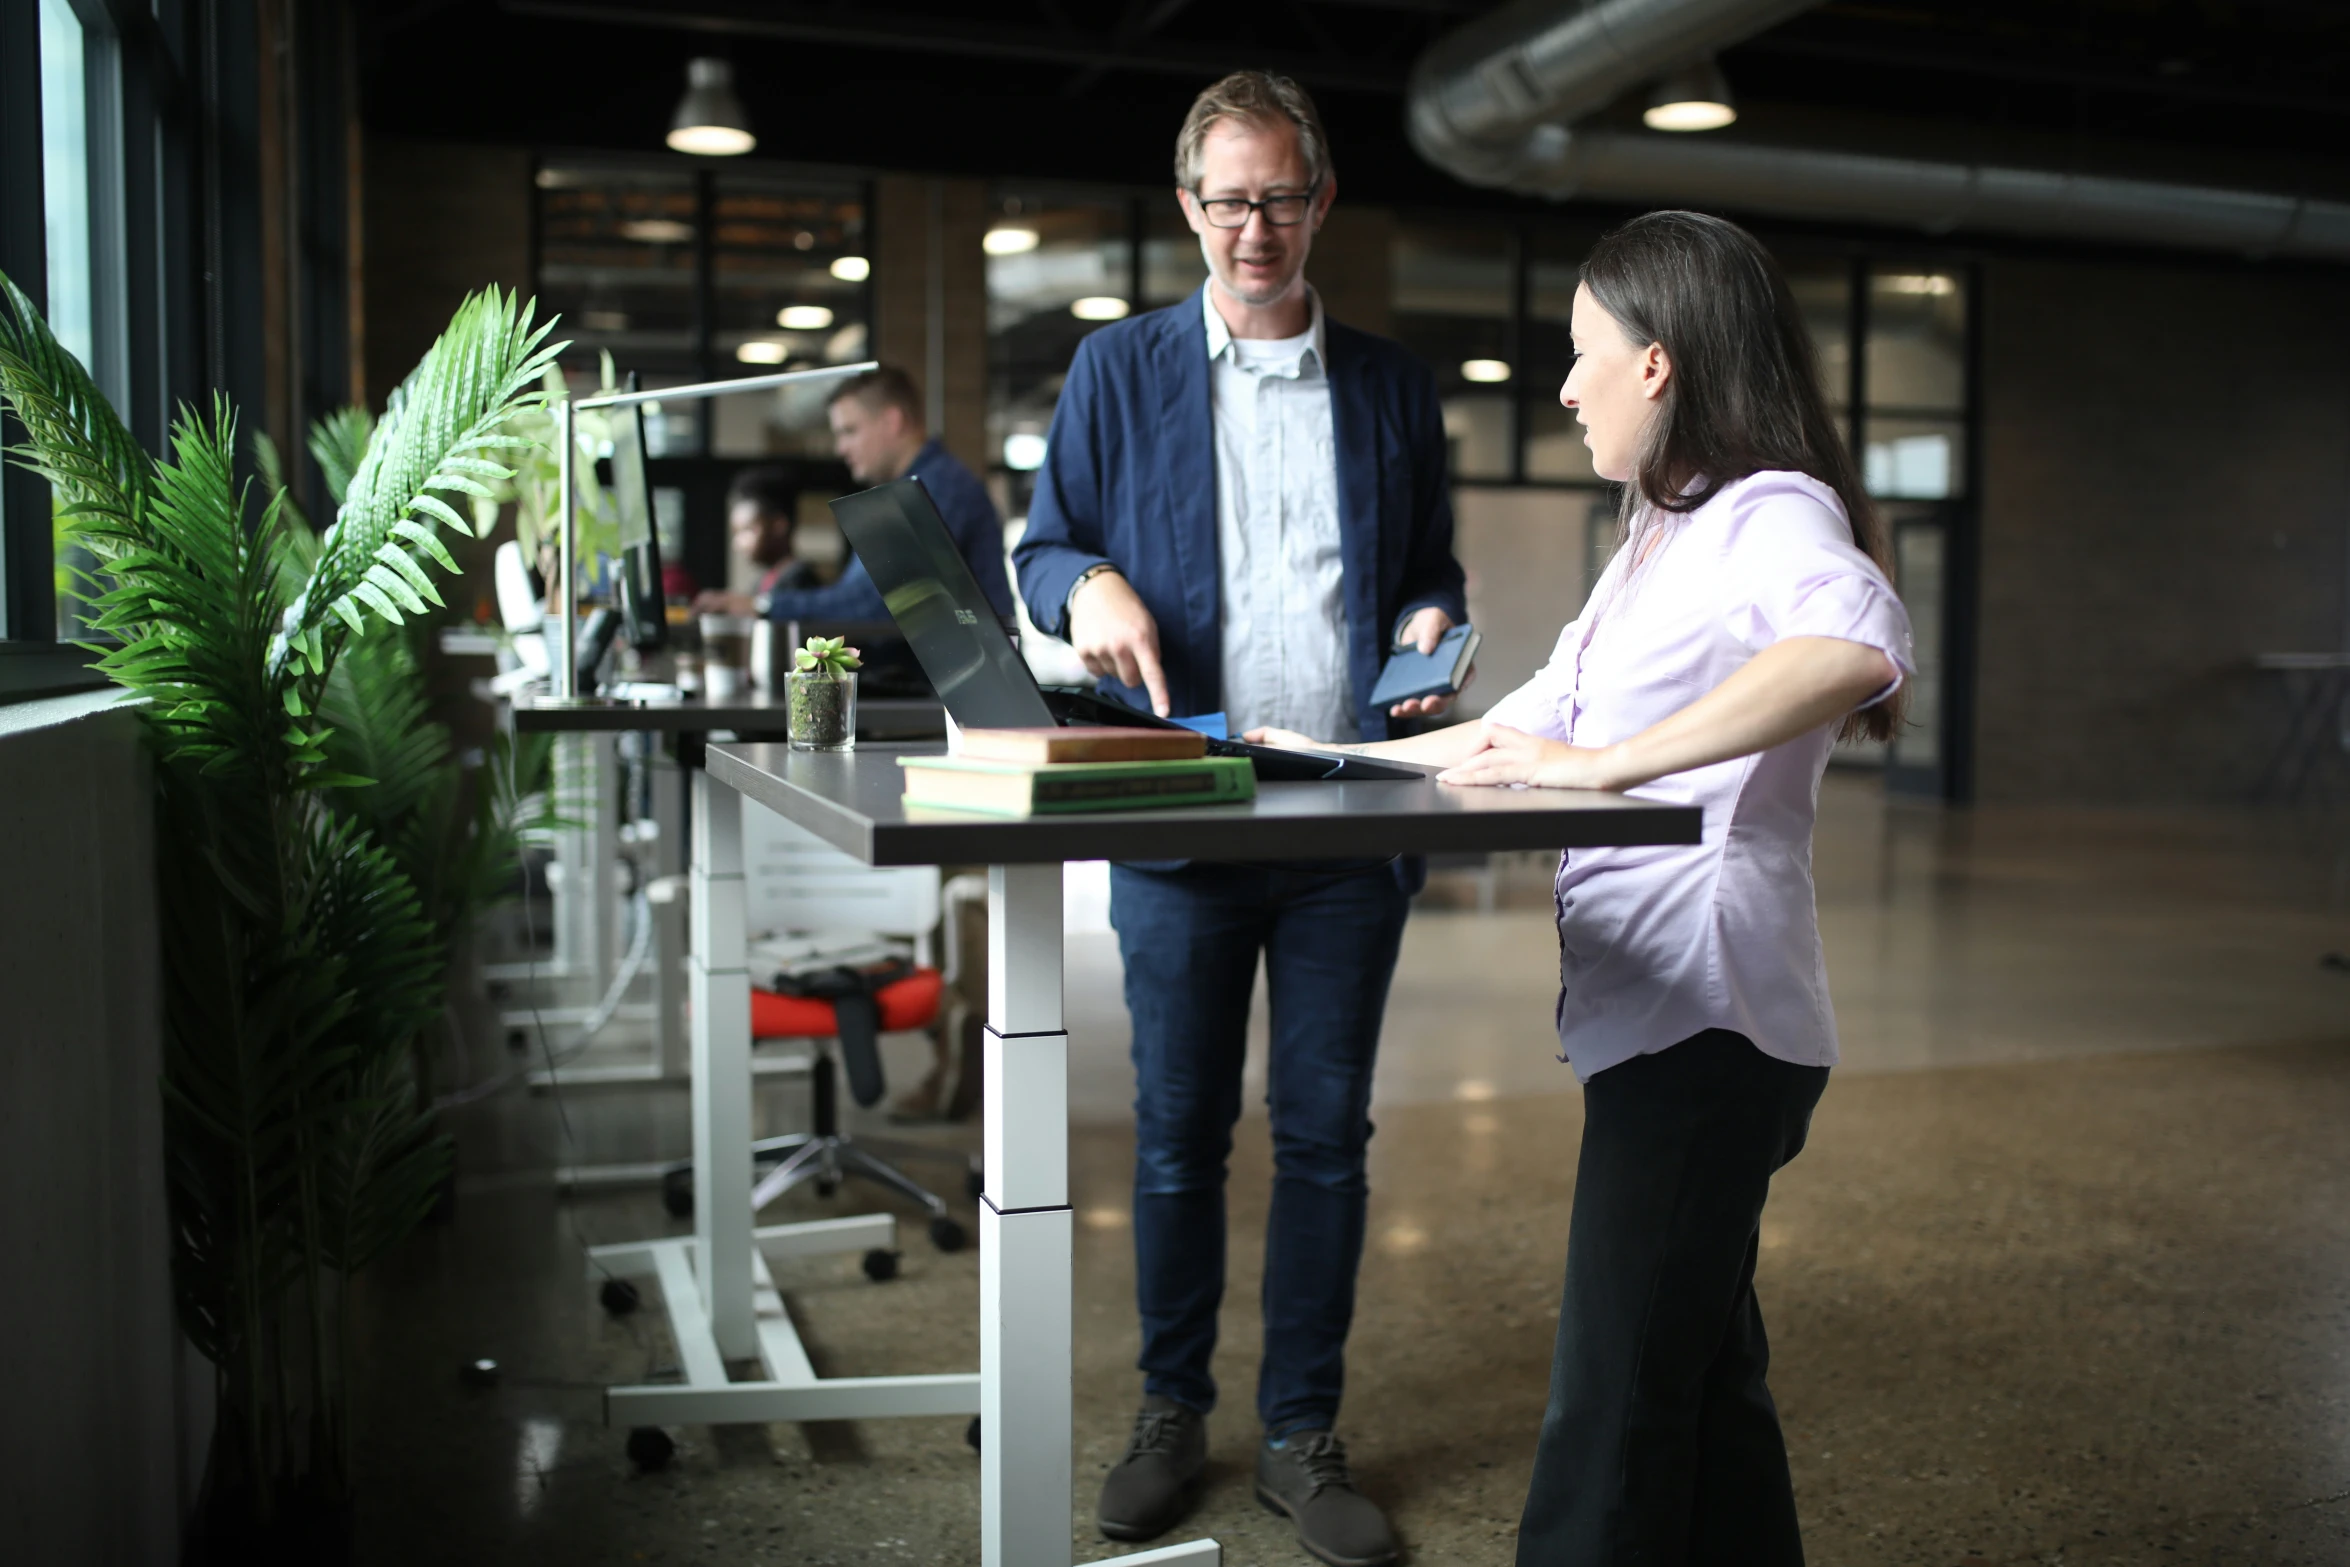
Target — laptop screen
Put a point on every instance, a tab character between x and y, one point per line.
975	666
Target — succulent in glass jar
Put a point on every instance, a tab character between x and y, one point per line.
821	709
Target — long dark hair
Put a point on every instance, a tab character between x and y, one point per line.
1744	396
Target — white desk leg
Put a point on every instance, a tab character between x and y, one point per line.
1025	1231
568	879
1026	1468
603	888
669	860
721	1090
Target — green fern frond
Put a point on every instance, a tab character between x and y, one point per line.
339	442
195	605
102	478
480	372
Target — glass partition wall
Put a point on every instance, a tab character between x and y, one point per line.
1455	305
1915	390
681	275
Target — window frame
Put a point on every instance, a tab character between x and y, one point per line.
144	285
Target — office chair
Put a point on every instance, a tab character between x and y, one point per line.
795	882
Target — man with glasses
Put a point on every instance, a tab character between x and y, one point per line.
1243	510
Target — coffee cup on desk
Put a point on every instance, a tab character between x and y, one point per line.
726	656
769	659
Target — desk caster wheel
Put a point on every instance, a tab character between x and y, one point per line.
825	1188
974	1183
971	1433
946	1234
881	1266
619	1297
517	1040
650	1449
677	1193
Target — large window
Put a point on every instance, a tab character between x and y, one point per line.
65	177
683	274
1062	263
1554	448
1455	305
1914	445
65	140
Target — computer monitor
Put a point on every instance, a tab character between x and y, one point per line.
637	575
953	630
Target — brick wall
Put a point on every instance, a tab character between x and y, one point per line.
2166	492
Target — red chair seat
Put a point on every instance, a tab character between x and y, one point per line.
911	1002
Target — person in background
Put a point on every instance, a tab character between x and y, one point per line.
878	430
1745	623
1243	507
761	508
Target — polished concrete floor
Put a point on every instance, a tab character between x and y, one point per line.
2064	1275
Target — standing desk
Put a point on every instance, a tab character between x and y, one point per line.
686	724
724	1306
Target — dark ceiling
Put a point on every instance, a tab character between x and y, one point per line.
2254	90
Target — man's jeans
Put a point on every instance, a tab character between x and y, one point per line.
1190	937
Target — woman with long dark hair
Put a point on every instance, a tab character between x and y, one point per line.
1744	622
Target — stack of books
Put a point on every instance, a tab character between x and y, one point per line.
1048	772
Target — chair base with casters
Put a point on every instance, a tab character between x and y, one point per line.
825	1154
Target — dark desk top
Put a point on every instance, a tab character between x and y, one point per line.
754	712
852	801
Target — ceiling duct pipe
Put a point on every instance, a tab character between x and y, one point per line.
1492	105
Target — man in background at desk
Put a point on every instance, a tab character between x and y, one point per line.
878	430
759	519
1243	506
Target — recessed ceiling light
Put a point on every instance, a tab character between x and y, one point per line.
657	231
1008	241
709	121
1485	370
852	269
1024	451
1694	98
759	351
803	318
1099	307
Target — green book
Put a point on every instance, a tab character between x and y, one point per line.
1057	788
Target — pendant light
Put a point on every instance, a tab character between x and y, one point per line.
1694	98
709	120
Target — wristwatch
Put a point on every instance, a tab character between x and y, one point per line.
1083	577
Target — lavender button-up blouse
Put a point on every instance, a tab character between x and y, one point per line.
1662	942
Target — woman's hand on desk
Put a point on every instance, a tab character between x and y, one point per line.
1788	689
1512	756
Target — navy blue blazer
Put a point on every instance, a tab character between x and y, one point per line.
1129	477
969	515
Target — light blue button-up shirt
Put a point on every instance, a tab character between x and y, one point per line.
1277	540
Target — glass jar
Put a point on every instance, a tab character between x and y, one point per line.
821	709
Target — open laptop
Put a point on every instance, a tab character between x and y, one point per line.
976	666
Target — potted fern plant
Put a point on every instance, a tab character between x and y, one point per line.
300	961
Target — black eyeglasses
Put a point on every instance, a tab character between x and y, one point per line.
1232	212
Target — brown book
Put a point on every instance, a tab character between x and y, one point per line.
1040	747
